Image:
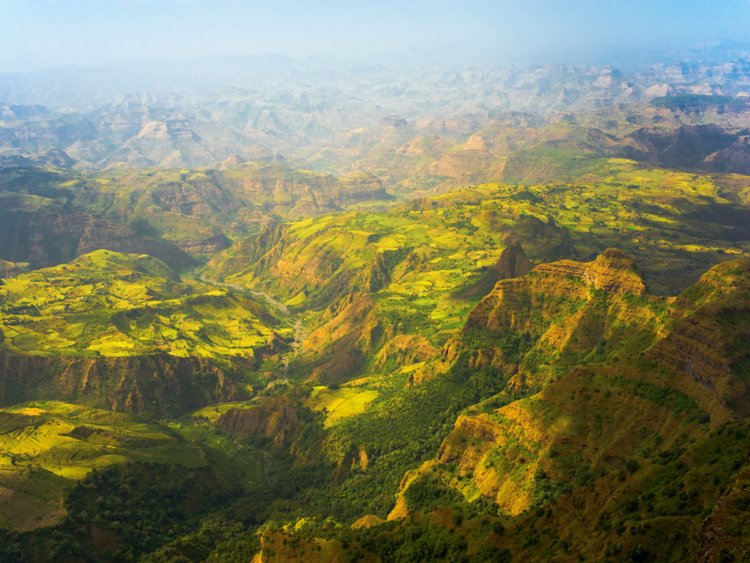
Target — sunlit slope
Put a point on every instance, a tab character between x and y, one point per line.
110	327
640	391
110	304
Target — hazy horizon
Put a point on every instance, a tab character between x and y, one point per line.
42	34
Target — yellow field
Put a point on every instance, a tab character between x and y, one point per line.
340	403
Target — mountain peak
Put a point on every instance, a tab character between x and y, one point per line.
615	272
612	271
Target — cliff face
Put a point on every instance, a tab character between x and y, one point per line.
708	337
337	350
727	527
295	193
50	236
157	384
49	216
563	310
609	423
511	264
511	302
276	419
378	278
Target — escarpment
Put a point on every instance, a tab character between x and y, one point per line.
156	384
512	263
708	339
662	367
564	309
337	350
45	237
549	289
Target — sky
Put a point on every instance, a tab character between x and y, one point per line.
38	34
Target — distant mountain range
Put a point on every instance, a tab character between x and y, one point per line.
278	108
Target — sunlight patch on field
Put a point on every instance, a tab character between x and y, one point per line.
213	412
340	403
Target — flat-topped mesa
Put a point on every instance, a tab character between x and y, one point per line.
612	271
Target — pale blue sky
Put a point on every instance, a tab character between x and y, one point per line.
46	33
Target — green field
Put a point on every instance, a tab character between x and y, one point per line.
111	304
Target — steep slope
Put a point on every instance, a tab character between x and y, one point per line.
616	434
589	419
558	314
367	278
693	147
417	269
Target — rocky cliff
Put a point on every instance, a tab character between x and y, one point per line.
49	235
614	437
565	310
160	384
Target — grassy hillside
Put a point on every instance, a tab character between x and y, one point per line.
122	331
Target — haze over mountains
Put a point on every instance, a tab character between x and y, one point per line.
310	110
417	308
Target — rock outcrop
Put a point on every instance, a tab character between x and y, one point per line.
157	384
685	371
562	309
511	264
275	418
49	236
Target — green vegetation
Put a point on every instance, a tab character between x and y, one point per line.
329	371
340	403
46	447
110	304
70	440
124	512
